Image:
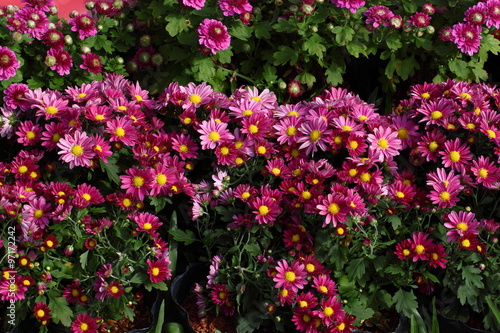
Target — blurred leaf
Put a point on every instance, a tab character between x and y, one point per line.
61	312
459	68
306	78
187	237
175	25
241	31
356	268
262	29
313	45
285	54
343	34
405	302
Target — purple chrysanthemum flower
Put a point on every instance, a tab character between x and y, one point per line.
213	35
477	14
377	15
59	60
493	19
84	25
352	5
231	7
420	20
8	63
92	63
467	37
196	4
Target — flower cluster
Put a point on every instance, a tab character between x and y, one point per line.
83	248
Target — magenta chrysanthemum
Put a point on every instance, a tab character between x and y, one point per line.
84	25
92	63
8	63
467	37
231	7
213	35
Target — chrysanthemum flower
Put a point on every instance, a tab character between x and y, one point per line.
196	4
59	60
352	5
42	313
146	222
291	277
84	25
331	310
28	133
265	209
436	256
14	94
185	146
137	182
158	270
213	133
335	209
467	37
53	38
324	285
306	300
422	246
86	195
12	290
197	95
213	35
76	149
385	143
219	294
493	19
122	130
313	135
377	15
232	7
115	289
84	323
477	14
486	172
92	63
257	125
460	223
305	320
456	155
287	129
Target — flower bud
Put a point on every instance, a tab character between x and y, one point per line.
129	27
17	37
482	267
54	10
85	49
50	61
31	24
407	27
73	14
90	5
68	40
145	40
430	29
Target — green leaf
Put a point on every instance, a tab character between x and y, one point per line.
224	56
410	6
111	169
161	318
343	34
159	203
284	26
472	276
84	259
405	301
491	44
285	54
459	68
61	312
356	48
249	323
187	237
261	30
334	74
203	69
393	41
356	269
424	43
313	45
494	309
306	78
395	221
161	286
138	278
175	24
269	73
406	68
241	31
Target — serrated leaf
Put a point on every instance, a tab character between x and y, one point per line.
306	78
424	43
284	26
159	203
313	45
356	268
111	169
395	221
269	73
203	69
356	48
334	74
61	312
224	56
343	34
187	237
405	301
249	323
406	67
393	41
242	32
285	54
175	25
459	68
160	286
84	259
261	30
491	44
472	276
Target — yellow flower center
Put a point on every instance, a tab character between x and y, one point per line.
84	327
491	134
292	130
383	143
465	95
365	177
253	129
224	151
425	95
247	113
51	109
120	132
310	268
77	150
433	146
138	181
466	243
214	136
328	311
444	196
187	120
400	194
263	210
347	128
455	156
195	99
353	144
99	117
295	238
419	248
462	226
261	150
276	171
138	98
30	135
306	195
341	327
22	169
115	289
86	196
155	271
38	213
183	148
406	252
40	313
435	115
303	304
333	208
315	135
293	113
483	173
222	295
245	195
161	179
256	99
323	289
147	226
290	276
81	95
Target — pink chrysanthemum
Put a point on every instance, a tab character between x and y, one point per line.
213	35
265	209
158	270
84	25
232	7
8	63
331	310
467	37
377	15
137	182
313	135
324	285
335	209
84	323
59	60
76	149
213	133
92	63
385	143
291	277
352	5
122	130
196	4
486	172
420	20
460	224
422	246
146	222
493	19
456	155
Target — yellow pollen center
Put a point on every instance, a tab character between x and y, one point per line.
383	143
99	117
403	133
120	132
155	271
195	99
183	148
51	109
40	313
306	195
276	171
295	238
38	213
261	150
435	115
347	128
224	151
483	173
84	327
77	150
247	113
465	95
293	113
466	243
303	304
353	172
310	268
406	252
138	98
433	146
253	129
263	210
127	202
462	226
328	311
115	289
323	289
22	169
400	194
138	181
214	136
161	179
290	276
353	144
455	156
491	134
81	95
30	135
222	295
425	95
147	226
365	177
245	195
315	135
256	99
444	196
292	130
333	208
341	327
419	248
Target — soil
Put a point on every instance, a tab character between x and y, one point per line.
210	323
143	318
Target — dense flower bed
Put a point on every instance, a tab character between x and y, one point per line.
320	213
